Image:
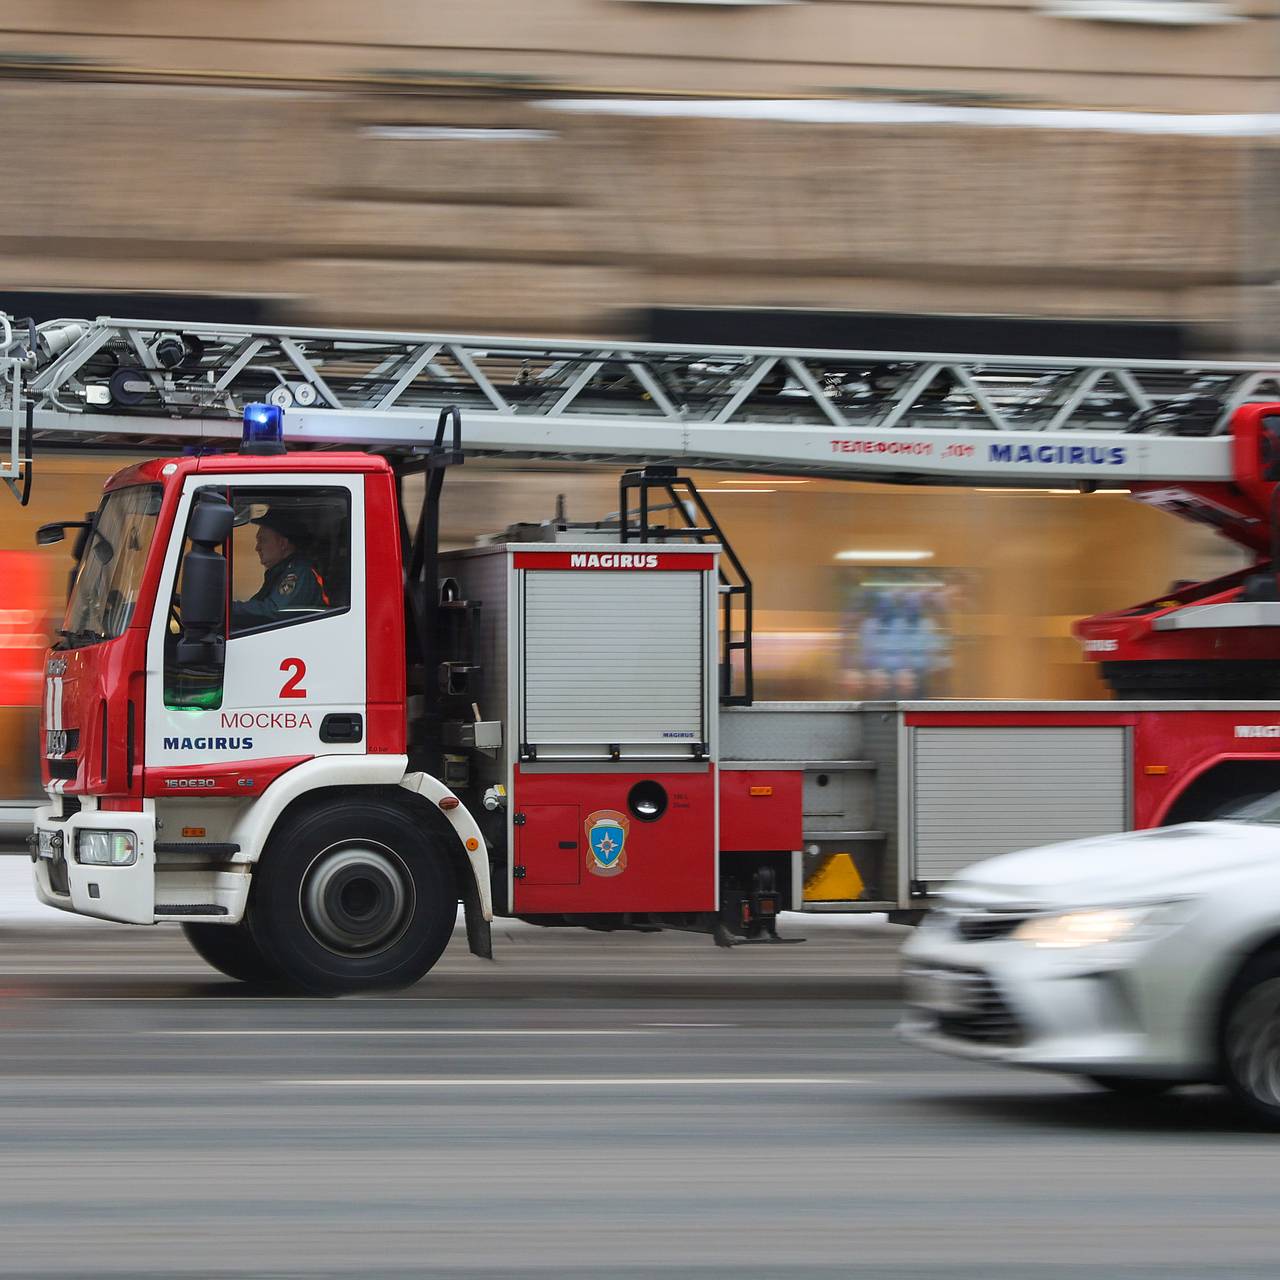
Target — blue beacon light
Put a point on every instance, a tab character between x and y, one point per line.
263	429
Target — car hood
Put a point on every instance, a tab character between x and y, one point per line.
1139	865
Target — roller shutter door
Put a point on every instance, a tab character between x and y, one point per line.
979	792
613	657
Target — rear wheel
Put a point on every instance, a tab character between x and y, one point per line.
353	898
1249	1039
231	949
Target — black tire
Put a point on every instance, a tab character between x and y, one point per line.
1225	808
1249	1039
1134	1086
231	949
353	897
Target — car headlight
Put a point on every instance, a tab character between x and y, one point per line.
1095	927
107	848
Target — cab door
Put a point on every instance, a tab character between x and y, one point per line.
291	684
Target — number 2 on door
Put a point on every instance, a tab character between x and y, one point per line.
293	685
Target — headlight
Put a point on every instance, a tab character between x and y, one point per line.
107	848
1083	928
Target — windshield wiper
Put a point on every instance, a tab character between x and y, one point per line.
84	635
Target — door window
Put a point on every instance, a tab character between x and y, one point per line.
288	562
290	556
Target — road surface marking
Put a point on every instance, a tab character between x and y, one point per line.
574	1082
213	1002
388	1031
688	1024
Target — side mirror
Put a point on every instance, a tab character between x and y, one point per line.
204	589
204	584
204	605
48	535
211	520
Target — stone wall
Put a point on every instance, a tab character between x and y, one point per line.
995	49
364	208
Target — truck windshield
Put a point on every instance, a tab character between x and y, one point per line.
110	570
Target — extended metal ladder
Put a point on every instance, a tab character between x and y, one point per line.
964	418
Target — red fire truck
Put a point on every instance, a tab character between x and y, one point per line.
278	716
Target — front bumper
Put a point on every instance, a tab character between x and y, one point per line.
128	894
1091	1011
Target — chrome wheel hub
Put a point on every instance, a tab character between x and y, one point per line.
357	898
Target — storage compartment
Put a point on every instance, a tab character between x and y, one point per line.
549	844
632	855
760	811
981	791
614	662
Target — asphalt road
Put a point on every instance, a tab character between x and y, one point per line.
585	1106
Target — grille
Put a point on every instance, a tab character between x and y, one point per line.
985	927
986	1019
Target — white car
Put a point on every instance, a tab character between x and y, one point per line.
1140	961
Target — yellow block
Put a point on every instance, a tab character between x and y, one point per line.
836	879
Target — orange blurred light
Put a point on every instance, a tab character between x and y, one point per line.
22	639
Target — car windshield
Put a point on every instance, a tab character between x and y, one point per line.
1263	809
110	570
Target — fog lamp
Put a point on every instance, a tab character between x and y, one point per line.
107	848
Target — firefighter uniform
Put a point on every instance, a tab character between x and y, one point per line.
291	585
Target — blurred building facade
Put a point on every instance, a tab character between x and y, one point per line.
496	165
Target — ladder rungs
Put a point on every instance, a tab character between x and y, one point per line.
976	418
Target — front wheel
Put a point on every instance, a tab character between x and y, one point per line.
1249	1039
353	897
231	949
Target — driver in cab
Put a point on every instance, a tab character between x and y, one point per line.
292	583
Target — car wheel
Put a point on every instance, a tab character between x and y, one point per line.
230	949
1249	1039
1133	1086
353	897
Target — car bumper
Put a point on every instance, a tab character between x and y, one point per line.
1004	1001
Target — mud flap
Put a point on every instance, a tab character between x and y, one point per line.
479	931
